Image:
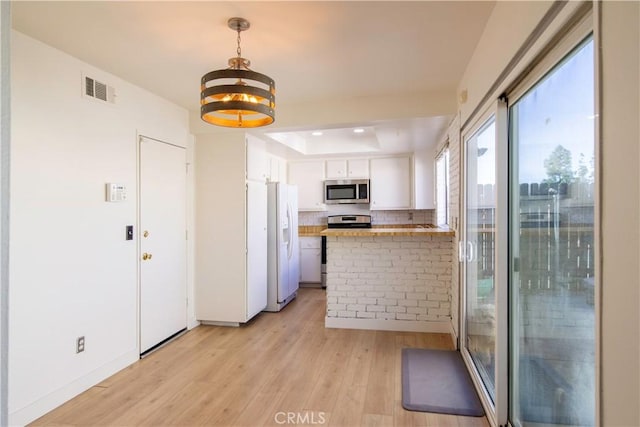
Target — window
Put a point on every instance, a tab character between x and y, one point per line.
442	187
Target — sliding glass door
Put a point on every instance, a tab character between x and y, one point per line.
552	312
478	254
528	243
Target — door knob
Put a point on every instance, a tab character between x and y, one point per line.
146	256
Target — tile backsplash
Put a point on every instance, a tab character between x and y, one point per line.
426	216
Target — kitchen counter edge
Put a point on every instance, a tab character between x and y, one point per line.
388	231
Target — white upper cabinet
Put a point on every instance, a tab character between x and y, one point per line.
309	176
258	167
424	179
336	169
263	166
348	169
277	169
397	182
391	183
358	168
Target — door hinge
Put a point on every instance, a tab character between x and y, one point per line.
186	234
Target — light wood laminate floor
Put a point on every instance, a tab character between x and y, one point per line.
254	375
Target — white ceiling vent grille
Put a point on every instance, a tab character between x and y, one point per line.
98	90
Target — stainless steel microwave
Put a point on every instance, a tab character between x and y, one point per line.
346	191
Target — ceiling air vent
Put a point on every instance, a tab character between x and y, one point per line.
98	90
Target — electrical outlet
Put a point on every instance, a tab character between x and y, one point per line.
410	216
79	344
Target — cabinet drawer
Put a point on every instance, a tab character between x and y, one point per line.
310	242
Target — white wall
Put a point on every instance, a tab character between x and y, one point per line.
424	184
507	28
192	232
620	178
5	122
453	138
72	273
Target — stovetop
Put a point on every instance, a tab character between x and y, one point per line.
349	221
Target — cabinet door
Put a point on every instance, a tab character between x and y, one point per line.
257	161
309	177
424	179
336	169
277	168
358	168
310	259
256	248
391	183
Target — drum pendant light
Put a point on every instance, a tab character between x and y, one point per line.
237	96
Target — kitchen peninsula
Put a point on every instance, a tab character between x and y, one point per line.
390	278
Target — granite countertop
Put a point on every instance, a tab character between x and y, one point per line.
377	230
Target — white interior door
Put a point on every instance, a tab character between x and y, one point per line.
162	236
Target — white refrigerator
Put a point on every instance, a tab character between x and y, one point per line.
283	254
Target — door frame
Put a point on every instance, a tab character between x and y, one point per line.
497	411
138	234
583	19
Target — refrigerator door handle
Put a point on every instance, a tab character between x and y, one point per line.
289	245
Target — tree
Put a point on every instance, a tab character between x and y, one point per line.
558	166
585	173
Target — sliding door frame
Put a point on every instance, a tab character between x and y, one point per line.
496	411
582	25
581	20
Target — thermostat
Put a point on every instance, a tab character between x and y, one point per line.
116	192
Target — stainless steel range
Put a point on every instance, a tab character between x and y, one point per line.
349	221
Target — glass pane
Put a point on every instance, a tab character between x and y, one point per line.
442	188
552	323
337	192
479	274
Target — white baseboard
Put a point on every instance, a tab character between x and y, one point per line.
211	323
51	401
454	337
192	323
389	325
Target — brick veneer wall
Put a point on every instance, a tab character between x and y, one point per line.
389	282
454	215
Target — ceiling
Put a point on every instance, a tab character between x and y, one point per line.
315	51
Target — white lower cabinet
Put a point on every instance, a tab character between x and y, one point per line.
310	259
